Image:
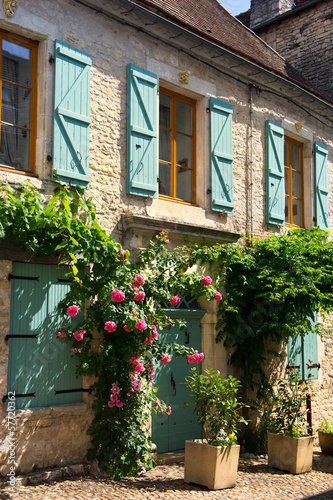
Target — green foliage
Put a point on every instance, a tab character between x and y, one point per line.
117	341
284	409
326	427
272	290
217	406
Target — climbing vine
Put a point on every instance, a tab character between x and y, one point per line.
117	343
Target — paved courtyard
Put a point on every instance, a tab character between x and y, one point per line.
255	481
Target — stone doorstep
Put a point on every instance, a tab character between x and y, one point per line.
43	475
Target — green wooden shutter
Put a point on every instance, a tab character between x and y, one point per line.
275	173
221	156
321	186
71	115
40	365
301	351
142	132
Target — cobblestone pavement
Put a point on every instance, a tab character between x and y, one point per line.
255	481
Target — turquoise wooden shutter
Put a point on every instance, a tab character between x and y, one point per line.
142	132
275	173
39	363
321	186
303	350
221	156
71	115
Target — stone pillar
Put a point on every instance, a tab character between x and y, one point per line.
264	10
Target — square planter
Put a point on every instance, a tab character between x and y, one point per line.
291	454
212	466
326	442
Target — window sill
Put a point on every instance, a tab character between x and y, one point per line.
177	200
6	168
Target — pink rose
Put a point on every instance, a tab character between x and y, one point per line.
139	280
110	326
140	296
119	404
117	295
141	325
148	341
174	301
167	411
79	335
196	358
72	311
157	403
126	329
165	359
113	398
218	296
122	255
207	280
139	368
110	404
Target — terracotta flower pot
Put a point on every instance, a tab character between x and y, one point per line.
291	454
326	442
212	466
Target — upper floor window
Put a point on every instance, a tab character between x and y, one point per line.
176	146
18	60
293	182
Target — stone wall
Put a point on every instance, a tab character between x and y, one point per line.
114	37
262	11
305	39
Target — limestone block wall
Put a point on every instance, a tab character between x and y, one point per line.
113	41
305	39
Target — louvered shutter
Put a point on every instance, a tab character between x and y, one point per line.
221	156
142	132
302	351
71	115
275	173
39	363
321	186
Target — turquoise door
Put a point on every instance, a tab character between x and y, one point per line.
41	370
169	432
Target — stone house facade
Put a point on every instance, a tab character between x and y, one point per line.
92	93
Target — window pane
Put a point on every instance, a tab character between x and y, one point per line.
165	179
14	149
184	151
286	209
286	180
165	111
15	105
295	157
297	212
165	145
184	117
297	188
16	63
184	184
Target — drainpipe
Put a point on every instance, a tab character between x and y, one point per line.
251	164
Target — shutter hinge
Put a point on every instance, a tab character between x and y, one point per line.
207	110
27	395
72	390
31	278
209	191
51	59
20	337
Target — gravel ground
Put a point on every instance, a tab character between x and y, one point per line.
255	481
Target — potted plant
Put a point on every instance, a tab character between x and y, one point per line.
325	434
213	460
290	445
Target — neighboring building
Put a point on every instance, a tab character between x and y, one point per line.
178	117
299	30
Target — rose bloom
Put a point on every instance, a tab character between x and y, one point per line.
196	358
110	326
139	368
207	280
119	404
122	255
139	280
218	296
141	325
167	411
165	359
140	296
174	301
126	329
157	403
72	311
79	335
117	295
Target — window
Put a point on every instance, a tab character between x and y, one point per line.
18	59
176	146
293	182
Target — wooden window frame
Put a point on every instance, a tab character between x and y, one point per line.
176	96
33	45
290	197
